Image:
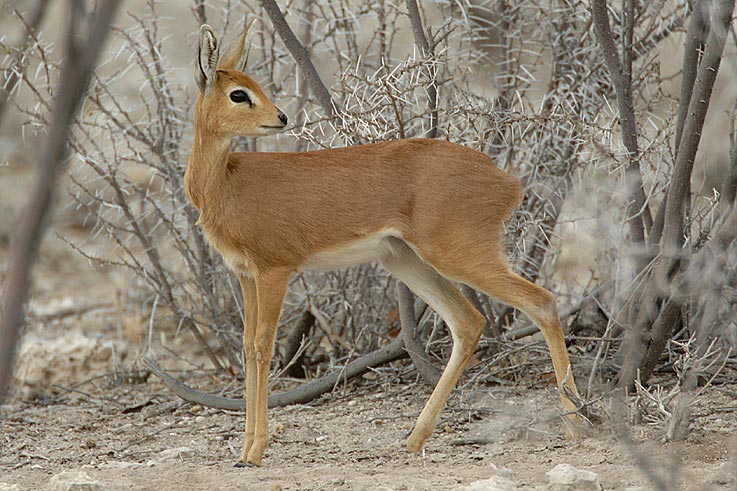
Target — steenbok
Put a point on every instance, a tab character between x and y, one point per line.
431	212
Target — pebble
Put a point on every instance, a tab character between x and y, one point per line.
75	481
565	477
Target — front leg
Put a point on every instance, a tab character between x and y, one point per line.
250	319
271	286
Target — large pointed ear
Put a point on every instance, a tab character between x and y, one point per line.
207	58
235	56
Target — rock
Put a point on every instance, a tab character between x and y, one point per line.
565	477
42	363
724	474
174	454
75	481
501	472
495	483
8	487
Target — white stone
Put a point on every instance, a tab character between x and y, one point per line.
8	487
501	472
75	481
565	477
174	453
495	483
724	474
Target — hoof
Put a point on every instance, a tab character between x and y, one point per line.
244	464
574	427
417	439
573	433
413	447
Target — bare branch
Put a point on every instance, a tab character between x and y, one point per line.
429	373
427	50
30	228
301	57
621	77
645	344
300	395
693	125
198	9
695	43
11	74
729	188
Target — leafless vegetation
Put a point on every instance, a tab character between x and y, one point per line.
85	36
570	96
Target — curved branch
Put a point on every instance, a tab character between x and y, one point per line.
429	372
300	395
695	43
729	188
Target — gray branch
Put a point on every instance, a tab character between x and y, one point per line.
429	372
301	56
31	225
12	73
643	345
638	211
693	126
300	395
427	50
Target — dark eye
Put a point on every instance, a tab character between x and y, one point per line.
240	96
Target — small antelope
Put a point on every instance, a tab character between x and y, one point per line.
430	211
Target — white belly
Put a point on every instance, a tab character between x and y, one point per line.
366	250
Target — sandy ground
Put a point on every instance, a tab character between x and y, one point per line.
136	437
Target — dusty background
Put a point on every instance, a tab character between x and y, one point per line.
81	404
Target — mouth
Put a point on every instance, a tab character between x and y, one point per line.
271	129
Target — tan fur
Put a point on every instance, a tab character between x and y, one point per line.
430	211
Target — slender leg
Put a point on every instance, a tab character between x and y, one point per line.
464	321
250	305
493	277
539	305
271	287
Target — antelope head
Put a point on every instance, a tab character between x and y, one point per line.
230	103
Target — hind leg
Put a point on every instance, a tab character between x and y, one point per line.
539	305
494	278
463	320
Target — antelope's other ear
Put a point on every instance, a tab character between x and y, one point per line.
207	59
235	56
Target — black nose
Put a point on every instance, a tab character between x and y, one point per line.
283	118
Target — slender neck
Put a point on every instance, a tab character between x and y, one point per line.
207	163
